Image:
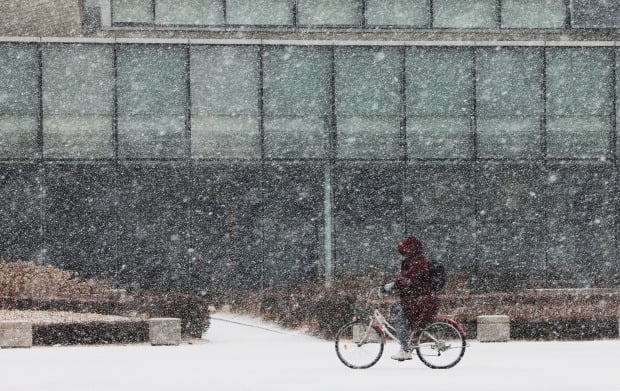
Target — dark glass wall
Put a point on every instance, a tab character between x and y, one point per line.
201	167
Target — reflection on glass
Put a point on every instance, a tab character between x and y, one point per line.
259	12
19	101
533	14
78	83
368	102
411	13
224	88
579	100
329	13
509	100
132	11
464	14
190	12
296	101
439	90
152	100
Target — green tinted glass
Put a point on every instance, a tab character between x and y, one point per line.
190	12
19	101
439	88
224	88
296	101
414	13
368	102
259	12
579	97
152	99
533	13
464	13
509	101
78	84
329	12
132	11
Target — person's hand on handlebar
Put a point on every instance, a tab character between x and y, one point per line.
388	287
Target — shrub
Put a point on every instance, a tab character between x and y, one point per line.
548	314
90	333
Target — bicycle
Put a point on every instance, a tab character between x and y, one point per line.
359	343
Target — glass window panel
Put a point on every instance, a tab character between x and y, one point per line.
297	81
440	193
533	13
78	85
509	137
579	102
190	12
414	13
510	192
464	14
296	101
20	211
152	99
296	137
509	100
259	12
80	224
368	138
580	192
225	117
19	101
581	208
581	255
595	14
152	226
293	227
329	13
227	214
368	217
132	11
509	256
439	91
368	102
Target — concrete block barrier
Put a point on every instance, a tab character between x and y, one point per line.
15	334
165	331
493	328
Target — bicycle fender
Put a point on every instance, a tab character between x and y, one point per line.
454	323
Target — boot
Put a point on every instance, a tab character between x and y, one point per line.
401	356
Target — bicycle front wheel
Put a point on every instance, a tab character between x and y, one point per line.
440	345
359	344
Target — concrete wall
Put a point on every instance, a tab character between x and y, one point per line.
40	18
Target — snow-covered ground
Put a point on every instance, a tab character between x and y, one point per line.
236	356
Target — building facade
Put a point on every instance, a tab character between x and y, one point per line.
211	144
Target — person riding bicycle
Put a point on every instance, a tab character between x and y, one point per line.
418	303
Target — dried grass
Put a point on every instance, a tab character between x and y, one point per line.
26	279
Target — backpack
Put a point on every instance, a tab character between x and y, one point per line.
438	275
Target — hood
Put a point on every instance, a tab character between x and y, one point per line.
409	246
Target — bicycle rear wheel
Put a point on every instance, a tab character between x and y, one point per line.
440	345
359	344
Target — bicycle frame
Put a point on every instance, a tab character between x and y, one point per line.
359	343
385	329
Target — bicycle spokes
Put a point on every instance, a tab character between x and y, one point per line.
440	345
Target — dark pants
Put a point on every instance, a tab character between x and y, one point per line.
400	323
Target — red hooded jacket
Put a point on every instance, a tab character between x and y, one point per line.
413	284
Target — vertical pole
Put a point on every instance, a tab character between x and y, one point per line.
328	224
328	195
40	140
